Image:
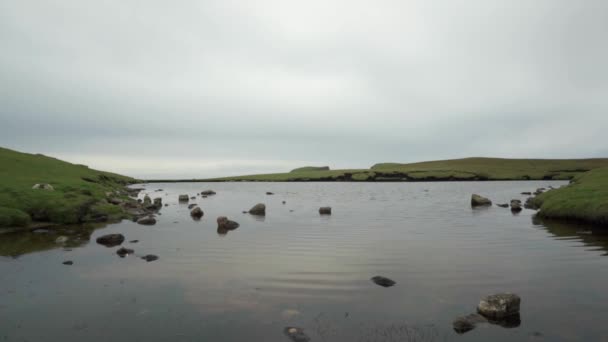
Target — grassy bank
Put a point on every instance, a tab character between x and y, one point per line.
79	193
442	170
585	199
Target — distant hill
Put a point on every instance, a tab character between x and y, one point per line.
78	191
310	168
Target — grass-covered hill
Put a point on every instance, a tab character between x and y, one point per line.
79	192
585	199
454	169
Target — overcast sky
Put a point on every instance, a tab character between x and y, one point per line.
210	88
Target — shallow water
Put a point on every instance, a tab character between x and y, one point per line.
297	268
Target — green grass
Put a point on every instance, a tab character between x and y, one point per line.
79	191
310	168
585	199
455	169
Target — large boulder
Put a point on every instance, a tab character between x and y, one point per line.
111	240
258	209
147	221
184	198
43	186
197	213
516	206
499	306
478	201
325	210
224	223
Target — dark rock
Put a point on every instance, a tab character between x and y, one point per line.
530	204
526	193
134	241
296	334
193	197
477	201
147	200
516	206
190	206
111	240
383	281
269	193
225	223
467	323
258	209
147	221
197	213
244	211
122	252
325	210
284	202
158	202
68	262
499	306
184	198
115	201
150	257
166	204
208	193
204	196
504	205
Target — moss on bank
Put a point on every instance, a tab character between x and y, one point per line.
585	199
79	193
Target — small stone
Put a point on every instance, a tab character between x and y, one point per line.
208	193
122	252
325	210
183	198
499	306
197	213
190	206
68	262
296	334
269	193
111	240
150	257
504	205
147	221
134	241
258	209
383	281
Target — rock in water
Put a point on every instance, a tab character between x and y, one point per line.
184	198
505	205
296	334
68	262
515	206
158	202
110	240
325	210
467	323
383	281
147	200
43	186
147	221
526	193
150	257
258	209
499	306
477	201
208	193
224	223
122	252
190	206
197	213
269	193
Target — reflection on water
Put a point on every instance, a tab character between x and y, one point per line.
593	237
296	268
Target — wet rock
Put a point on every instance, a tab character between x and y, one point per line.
516	206
61	240
208	193
530	204
325	210
43	186
147	200
467	323
244	211
526	193
296	334
204	196
269	193
284	202
197	213
478	201
147	221
158	202
149	257
193	197
123	252
503	205
383	281
190	206
134	241
184	198
111	240
224	223
258	209
499	306
68	262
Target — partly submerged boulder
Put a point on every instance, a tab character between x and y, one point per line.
516	205
150	257
147	200
467	323
478	201
325	210
258	209
111	240
503	205
197	213
147	221
383	281
123	252
224	223
499	306
208	193
184	198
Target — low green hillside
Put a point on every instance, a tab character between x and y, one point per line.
455	169
585	199
79	192
310	168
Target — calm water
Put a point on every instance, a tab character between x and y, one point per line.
297	268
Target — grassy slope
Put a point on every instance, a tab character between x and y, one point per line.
72	200
586	199
455	169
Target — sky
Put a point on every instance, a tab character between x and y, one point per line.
194	89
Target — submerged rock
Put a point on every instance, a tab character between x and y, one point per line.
193	197
224	223
478	201
134	241
325	210
467	323
190	206
68	262
43	186
526	193
184	198
208	193
111	240
269	193
296	334
383	281
122	252
149	257
284	202
197	213
258	209
499	306
503	205
147	221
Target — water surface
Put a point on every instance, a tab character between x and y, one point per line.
297	268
